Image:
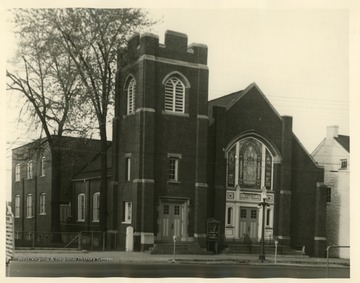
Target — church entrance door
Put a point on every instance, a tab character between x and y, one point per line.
249	223
171	221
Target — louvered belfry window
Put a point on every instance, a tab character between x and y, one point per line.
174	95
131	96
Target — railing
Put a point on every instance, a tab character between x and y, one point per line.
327	256
83	240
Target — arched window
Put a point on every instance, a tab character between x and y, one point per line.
249	165
43	166
29	169
81	207
17	206
17	173
96	206
130	91
29	206
42	202
250	169
174	95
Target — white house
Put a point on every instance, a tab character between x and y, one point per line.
333	153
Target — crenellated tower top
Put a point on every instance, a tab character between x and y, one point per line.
175	47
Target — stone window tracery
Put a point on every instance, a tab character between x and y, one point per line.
249	165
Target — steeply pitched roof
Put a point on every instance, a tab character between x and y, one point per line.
230	99
222	101
344	141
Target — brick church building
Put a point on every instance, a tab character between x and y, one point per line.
179	159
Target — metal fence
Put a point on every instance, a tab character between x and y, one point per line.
83	240
334	247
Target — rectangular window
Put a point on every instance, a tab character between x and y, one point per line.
173	169
42	202
29	170
17	173
229	215
65	212
253	214
43	166
166	209
267	217
127	169
242	213
343	163
17	206
96	207
328	194
81	207
127	212
177	210
29	206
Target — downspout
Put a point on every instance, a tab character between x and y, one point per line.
23	210
35	209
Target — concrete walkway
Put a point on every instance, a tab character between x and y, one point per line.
146	257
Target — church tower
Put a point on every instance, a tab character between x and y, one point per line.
160	140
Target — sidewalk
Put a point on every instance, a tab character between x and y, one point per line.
146	257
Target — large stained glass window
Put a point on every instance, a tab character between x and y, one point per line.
249	165
231	167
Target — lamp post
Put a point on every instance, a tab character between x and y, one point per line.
263	204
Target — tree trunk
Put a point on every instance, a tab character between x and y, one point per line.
104	180
55	194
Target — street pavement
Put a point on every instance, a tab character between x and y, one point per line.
146	257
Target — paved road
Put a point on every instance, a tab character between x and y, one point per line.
161	270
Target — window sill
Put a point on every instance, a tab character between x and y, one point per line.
165	112
174	182
80	220
42	213
127	222
95	221
129	115
229	226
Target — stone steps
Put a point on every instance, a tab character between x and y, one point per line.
255	249
180	248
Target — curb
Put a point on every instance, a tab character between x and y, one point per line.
88	256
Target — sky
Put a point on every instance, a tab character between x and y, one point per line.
298	56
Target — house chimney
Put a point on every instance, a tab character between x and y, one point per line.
332	132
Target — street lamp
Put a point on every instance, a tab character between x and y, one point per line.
263	204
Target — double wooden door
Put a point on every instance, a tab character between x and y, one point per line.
249	223
170	221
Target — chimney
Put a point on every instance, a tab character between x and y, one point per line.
332	132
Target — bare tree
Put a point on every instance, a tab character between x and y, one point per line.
48	81
91	38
